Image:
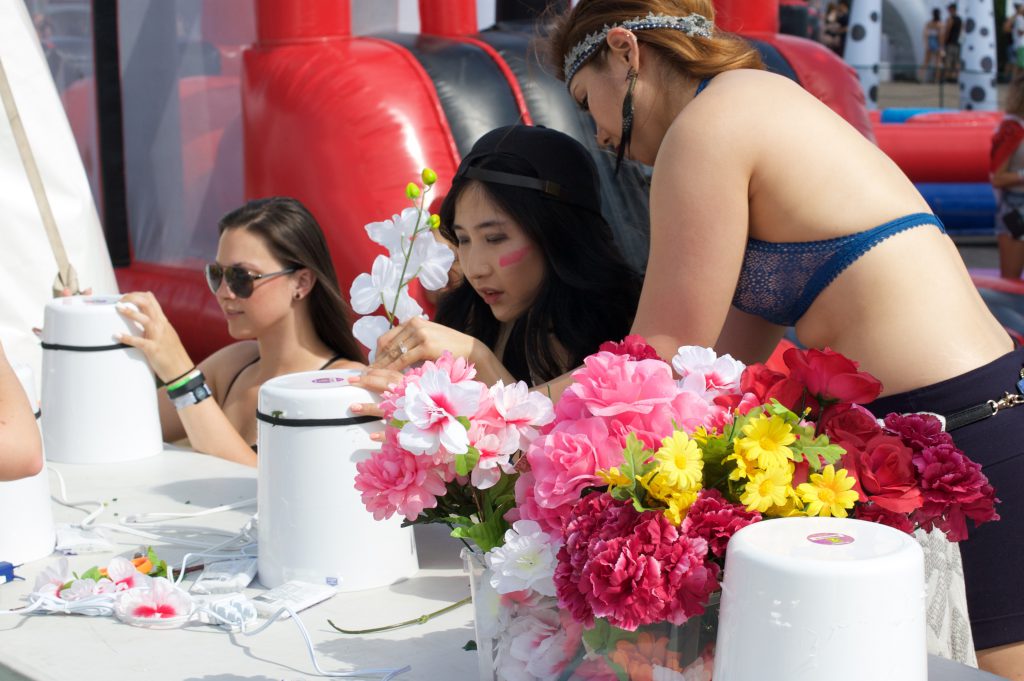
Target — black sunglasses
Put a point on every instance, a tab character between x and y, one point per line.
240	281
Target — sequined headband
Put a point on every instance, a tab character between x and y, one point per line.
691	25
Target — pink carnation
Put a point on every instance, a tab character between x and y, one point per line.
716	520
565	461
918	430
457	368
954	489
395	480
632	346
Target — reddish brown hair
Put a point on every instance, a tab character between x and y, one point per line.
694	56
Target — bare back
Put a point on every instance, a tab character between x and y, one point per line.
757	156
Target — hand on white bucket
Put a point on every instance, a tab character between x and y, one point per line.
159	341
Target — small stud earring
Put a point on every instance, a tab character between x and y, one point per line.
298	296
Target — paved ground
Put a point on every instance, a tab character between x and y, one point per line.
978	252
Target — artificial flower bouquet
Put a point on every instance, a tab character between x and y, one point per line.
601	524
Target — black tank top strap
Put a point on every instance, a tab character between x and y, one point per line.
331	361
232	383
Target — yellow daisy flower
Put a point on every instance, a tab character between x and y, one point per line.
829	493
680	462
766	489
613	478
766	440
743	468
678	505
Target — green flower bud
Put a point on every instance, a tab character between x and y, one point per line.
429	176
412	191
434	221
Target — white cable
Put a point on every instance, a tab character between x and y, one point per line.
385	674
63	499
148	518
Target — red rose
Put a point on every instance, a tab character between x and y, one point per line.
759	379
830	376
886	472
849	425
873	513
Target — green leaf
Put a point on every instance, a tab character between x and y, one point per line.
470	645
464	420
816	451
92	573
464	462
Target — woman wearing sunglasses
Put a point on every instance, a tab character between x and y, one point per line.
275	282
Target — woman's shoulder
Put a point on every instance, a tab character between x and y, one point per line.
343	363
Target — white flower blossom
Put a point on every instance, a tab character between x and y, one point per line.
432	407
703	372
523	411
394	234
526	561
533	647
368	329
370	291
430	261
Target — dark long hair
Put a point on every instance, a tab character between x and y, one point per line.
294	237
588	295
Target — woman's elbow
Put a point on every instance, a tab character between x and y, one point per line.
22	461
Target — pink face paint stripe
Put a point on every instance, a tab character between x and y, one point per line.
513	257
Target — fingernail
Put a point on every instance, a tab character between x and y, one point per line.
118	337
354	379
356	407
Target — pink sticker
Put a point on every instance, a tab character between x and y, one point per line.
830	538
514	257
330	379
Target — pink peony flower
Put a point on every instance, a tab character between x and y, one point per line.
566	460
395	480
918	430
527	508
954	489
610	385
634	346
716	520
538	644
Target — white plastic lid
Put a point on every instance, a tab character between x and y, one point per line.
812	541
313	395
85	321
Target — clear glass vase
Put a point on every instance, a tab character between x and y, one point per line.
526	636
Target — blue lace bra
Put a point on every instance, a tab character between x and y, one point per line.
779	281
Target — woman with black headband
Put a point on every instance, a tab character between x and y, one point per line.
768	210
543	284
274	280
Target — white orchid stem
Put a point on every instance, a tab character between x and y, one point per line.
402	283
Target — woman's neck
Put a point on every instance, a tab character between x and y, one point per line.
291	345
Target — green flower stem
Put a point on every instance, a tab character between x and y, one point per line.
422	619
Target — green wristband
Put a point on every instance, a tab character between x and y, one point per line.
183	380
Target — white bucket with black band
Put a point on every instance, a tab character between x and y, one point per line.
313	526
28	533
100	395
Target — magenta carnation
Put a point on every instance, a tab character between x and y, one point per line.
954	488
873	513
632	346
394	480
918	430
716	520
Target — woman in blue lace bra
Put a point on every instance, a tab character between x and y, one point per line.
274	280
768	210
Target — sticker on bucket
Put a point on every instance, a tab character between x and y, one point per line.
330	379
109	300
830	538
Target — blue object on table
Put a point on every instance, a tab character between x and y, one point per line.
7	572
963	207
901	114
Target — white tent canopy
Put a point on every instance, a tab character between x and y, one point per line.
27	265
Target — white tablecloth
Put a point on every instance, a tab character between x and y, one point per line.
61	647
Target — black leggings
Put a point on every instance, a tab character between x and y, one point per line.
993	555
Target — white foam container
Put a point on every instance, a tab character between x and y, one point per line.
28	532
313	527
805	599
100	404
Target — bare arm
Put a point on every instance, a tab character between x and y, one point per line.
21	450
699	215
208	429
1004	178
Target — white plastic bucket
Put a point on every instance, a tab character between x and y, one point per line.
28	532
805	599
313	526
100	395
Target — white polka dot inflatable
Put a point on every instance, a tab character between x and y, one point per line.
978	68
863	46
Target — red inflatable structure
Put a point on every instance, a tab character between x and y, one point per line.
344	122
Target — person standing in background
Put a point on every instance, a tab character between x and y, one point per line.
1007	177
951	45
932	48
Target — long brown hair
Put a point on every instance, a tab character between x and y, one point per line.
695	57
294	237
